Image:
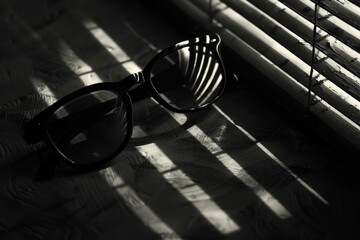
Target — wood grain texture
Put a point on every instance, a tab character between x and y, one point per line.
170	182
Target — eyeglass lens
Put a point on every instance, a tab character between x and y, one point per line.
89	128
188	78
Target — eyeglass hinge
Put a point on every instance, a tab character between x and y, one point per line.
139	77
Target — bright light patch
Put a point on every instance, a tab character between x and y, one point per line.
212	212
113	48
237	170
44	90
87	79
273	157
144	213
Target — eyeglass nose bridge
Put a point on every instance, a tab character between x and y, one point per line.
134	86
129	83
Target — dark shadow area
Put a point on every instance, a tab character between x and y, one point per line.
235	193
147	191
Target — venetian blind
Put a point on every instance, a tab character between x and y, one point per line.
309	48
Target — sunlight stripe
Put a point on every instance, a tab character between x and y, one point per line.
90	77
273	157
208	208
184	57
193	67
43	89
113	48
205	74
213	74
215	87
149	218
237	170
141	210
199	70
63	47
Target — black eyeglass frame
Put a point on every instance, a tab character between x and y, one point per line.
36	129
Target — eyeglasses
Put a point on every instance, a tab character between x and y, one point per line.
92	125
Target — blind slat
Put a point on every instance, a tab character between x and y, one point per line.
332	47
345	10
349	82
327	21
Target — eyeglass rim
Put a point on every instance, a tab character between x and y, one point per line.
128	109
211	41
38	124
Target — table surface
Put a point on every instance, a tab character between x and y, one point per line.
241	169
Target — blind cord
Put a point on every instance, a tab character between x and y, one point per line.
312	54
210	11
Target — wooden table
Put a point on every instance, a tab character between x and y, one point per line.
241	169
